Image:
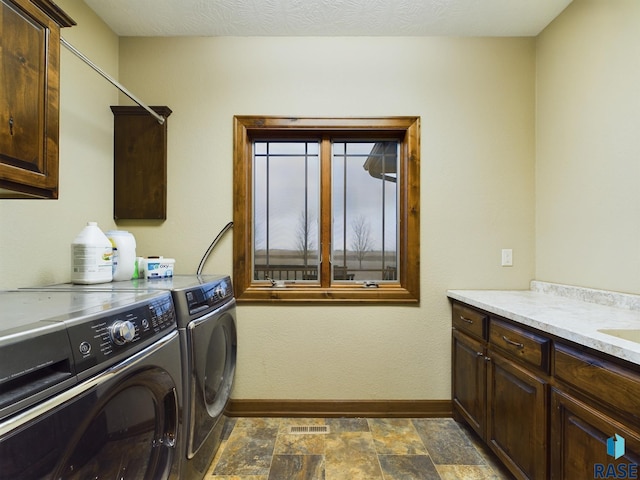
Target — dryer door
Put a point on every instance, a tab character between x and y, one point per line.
212	342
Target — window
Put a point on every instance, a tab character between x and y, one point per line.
326	210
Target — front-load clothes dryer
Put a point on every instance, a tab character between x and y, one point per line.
209	339
206	319
90	386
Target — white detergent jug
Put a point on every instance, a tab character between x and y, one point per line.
91	256
124	254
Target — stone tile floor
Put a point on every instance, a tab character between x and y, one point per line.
355	449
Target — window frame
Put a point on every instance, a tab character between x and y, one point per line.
248	128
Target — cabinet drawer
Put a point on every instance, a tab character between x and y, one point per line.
520	344
602	380
469	321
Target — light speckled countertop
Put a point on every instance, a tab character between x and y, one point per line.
573	313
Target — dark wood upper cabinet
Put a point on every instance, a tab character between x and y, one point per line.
29	97
140	164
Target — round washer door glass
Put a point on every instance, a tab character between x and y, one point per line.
131	433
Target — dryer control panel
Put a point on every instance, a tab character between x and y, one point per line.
208	296
104	339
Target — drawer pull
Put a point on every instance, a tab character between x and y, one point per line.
465	319
511	342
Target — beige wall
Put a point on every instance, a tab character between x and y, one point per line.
476	101
588	147
35	235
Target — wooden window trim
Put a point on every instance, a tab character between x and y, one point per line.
407	130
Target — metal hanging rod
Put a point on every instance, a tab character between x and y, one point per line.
82	57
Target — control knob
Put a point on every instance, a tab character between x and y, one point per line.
122	331
221	291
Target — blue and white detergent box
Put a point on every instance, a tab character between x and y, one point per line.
159	267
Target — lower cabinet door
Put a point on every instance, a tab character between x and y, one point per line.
469	380
517	417
585	442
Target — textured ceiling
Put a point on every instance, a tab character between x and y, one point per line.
327	17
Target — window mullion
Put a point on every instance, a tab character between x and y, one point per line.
326	212
344	205
267	231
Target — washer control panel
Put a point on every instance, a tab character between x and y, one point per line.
104	338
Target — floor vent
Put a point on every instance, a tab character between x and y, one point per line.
308	429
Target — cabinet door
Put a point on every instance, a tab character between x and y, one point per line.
140	163
469	380
517	417
579	435
29	97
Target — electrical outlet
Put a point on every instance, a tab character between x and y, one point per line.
507	257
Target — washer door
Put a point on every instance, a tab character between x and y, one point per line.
130	434
213	344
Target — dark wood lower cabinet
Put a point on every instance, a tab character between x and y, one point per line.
548	408
578	441
517	417
500	388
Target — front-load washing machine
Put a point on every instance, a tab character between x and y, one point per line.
206	318
90	386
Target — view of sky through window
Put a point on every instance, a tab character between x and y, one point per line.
287	210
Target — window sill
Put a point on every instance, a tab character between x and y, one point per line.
348	294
